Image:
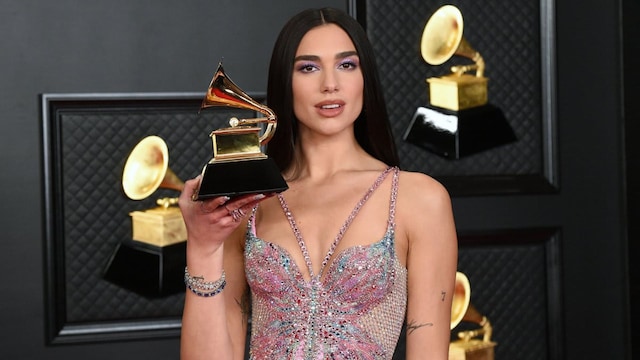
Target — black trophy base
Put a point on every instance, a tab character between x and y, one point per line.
455	134
234	178
148	270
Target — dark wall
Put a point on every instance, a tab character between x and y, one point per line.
168	46
592	163
631	16
589	206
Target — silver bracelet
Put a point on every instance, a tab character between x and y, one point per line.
198	286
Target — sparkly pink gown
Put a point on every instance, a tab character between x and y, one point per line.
354	311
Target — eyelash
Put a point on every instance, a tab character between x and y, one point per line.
352	64
348	64
305	67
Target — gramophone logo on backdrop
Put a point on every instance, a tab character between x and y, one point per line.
459	120
469	345
151	261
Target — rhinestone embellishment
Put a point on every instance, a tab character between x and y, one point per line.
355	312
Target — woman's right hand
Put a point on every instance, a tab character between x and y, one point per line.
209	222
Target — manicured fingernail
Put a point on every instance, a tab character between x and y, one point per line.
225	199
259	197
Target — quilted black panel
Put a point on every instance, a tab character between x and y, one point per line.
94	140
507	34
512	283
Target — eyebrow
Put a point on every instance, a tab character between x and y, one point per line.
339	55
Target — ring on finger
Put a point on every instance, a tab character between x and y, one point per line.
237	214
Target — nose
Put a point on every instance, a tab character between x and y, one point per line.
329	82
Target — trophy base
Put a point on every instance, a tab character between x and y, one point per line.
455	134
234	178
158	226
457	92
151	271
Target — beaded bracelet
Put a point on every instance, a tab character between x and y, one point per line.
198	286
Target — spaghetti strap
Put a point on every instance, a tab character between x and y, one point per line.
394	197
343	229
353	307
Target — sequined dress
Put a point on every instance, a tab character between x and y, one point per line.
355	311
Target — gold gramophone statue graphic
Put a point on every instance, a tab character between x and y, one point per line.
238	165
468	346
150	263
459	121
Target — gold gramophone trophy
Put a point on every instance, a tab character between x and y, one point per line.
459	121
238	165
468	347
150	262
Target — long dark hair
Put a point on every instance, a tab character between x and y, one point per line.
372	128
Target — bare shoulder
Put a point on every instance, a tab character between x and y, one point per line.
424	217
420	190
423	205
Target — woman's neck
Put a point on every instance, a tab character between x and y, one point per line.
318	159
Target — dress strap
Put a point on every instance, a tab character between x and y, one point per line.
394	197
251	224
341	232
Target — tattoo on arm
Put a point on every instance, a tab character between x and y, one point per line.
412	326
444	293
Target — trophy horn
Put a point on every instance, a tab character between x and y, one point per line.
463	310
224	92
147	169
461	299
442	38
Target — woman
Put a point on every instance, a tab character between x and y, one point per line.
353	248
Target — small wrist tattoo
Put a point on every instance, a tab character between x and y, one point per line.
443	295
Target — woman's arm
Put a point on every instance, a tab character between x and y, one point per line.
214	327
431	263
